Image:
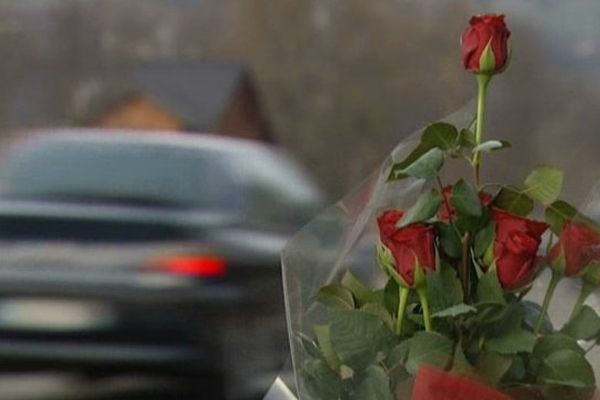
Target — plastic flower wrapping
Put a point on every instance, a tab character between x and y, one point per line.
427	282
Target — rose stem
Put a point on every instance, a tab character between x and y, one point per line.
482	84
402	302
425	306
586	290
466	268
549	292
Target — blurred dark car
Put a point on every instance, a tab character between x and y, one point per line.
150	253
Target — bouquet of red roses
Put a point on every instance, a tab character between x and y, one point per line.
461	310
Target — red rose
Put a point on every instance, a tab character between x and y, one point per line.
434	384
484	30
515	248
580	246
409	245
447	212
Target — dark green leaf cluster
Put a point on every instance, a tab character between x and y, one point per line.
357	354
439	141
459	316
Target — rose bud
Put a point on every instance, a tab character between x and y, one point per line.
576	249
515	248
485	45
412	246
447	213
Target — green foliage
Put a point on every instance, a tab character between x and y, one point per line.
514	341
514	201
390	296
568	368
320	381
335	296
357	337
324	339
492	366
467	138
467	223
484	239
549	344
374	386
399	354
465	199
429	348
558	214
360	292
489	289
449	240
544	184
396	170
426	207
585	325
428	157
308	345
441	135
380	311
454	311
444	289
425	167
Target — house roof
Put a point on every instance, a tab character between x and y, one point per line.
197	93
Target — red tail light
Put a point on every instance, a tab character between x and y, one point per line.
201	266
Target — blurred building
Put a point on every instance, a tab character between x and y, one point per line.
199	97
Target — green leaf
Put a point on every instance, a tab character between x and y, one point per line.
517	370
441	135
466	223
362	294
308	345
399	354
397	168
568	368
429	348
379	311
335	296
357	337
375	385
426	166
320	381
549	344
491	145
544	184
514	201
489	289
585	325
460	363
449	240
454	311
493	366
465	199
444	289
467	138
484	239
322	332
558	214
426	207
515	341
390	296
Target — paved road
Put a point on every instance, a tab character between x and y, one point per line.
48	386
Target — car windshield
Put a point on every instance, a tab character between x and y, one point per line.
209	178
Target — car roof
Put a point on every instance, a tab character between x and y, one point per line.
178	139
